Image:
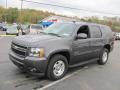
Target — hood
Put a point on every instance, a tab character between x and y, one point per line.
35	40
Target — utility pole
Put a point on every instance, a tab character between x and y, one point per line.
20	29
21	11
6	12
6	3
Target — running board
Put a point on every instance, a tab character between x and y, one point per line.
82	63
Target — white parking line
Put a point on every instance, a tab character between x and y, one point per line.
7	35
55	82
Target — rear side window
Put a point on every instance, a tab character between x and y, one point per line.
95	32
106	31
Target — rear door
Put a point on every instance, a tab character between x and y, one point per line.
96	42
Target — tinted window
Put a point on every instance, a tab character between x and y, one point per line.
84	29
95	32
106	31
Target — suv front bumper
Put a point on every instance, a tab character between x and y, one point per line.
32	65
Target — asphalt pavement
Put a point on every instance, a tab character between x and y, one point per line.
95	77
90	77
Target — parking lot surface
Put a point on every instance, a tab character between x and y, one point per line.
90	77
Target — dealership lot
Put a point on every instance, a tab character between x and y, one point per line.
90	77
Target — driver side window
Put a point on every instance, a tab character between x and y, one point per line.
84	29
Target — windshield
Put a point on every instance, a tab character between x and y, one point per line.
60	29
24	27
12	28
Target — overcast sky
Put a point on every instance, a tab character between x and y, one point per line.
109	6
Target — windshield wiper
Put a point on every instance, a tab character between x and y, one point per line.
54	34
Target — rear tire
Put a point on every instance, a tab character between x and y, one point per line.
103	57
57	67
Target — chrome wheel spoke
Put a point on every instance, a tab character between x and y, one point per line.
104	57
59	68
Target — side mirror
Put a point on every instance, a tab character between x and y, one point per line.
82	36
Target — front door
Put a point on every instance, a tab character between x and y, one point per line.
81	50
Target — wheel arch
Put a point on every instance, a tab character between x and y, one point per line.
65	53
107	46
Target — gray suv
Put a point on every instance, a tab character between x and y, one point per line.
61	46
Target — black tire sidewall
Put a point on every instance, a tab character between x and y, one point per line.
53	60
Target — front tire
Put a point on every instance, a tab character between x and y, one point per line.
103	57
57	67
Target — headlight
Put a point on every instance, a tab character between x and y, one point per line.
37	52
